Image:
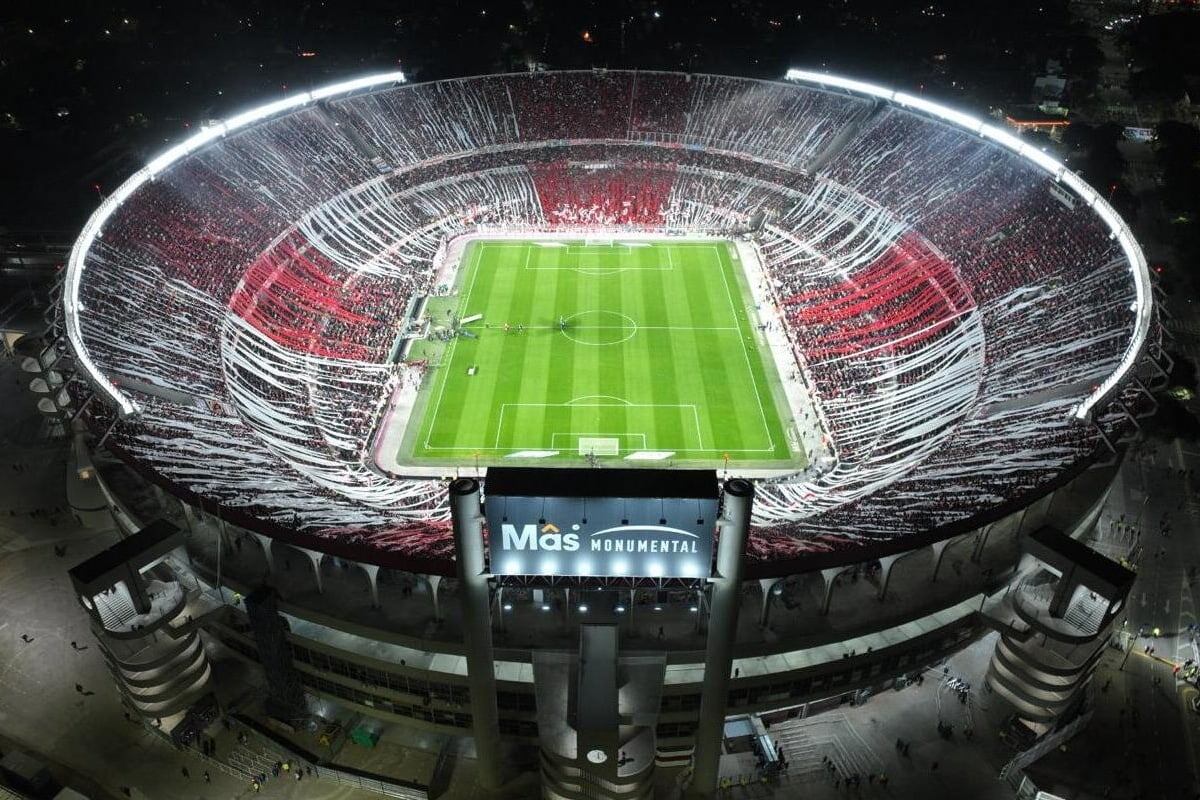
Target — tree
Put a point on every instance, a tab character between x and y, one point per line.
1178	147
1083	62
1174	420
1094	155
1163	47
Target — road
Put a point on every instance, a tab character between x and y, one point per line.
1163	732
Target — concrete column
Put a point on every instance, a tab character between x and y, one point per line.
372	571
885	573
477	628
939	550
265	541
1064	591
768	585
981	542
1021	522
315	557
434	582
189	516
159	495
829	575
137	589
722	628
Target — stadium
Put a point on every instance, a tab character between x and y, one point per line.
919	339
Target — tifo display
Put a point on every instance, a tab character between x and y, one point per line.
644	351
264	319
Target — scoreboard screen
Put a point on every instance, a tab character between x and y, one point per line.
601	522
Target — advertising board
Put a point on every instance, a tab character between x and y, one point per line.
610	523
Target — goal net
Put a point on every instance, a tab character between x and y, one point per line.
599	446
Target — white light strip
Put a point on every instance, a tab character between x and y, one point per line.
957	117
841	83
268	110
356	84
95	223
1002	137
176	152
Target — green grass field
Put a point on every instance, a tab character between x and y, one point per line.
601	350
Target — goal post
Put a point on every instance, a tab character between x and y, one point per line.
599	446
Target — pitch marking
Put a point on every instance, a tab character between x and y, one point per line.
632	327
448	357
598	397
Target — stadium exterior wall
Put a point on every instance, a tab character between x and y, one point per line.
773	685
755	569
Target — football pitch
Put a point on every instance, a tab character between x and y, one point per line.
640	352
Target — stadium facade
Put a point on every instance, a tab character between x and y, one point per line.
970	324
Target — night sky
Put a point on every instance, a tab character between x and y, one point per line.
89	92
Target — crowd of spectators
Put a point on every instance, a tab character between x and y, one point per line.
586	194
776	122
250	295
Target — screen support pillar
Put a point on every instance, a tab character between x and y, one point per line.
726	583
477	628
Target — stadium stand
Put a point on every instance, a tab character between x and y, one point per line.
946	309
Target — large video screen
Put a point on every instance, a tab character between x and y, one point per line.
610	523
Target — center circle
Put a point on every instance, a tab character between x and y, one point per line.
597	756
596	328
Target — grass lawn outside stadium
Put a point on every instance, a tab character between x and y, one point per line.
638	353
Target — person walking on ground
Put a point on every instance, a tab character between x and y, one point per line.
79	688
207	777
184	771
933	767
